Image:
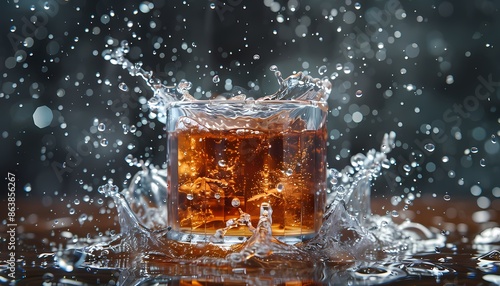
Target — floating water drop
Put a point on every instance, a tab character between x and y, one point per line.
212	6
445	159
133	128
256	57
357	5
359	93
447	197
474	150
493	139
235	202
273	68
430	147
280	187
216	79
101	127
334	75
104	142
338	66
482	162
407	168
217	196
322	70
123	86
190	197
222	163
289	172
27	187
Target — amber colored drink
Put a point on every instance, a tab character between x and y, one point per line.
216	173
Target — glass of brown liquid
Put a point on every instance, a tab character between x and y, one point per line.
228	158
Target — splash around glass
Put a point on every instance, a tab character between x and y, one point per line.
233	163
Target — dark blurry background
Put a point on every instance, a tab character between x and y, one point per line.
427	70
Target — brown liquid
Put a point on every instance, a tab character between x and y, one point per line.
222	171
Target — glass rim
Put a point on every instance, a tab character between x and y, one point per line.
221	102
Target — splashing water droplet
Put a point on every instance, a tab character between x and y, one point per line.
273	68
493	139
359	93
222	163
101	127
190	197
357	5
235	202
27	187
212	6
447	197
482	162
289	172
474	150
280	187
256	57
338	66
123	86
104	142
430	147
217	196
322	70
216	79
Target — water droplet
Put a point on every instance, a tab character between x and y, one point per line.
280	187
190	197
445	159
133	128
273	68
347	70
217	196
357	5
48	277
447	197
338	66
76	202
104	142
394	213
493	139
430	147
235	202
123	86
256	57
216	79
101	127
474	150
46	5
212	6
289	172
222	163
407	168
359	93
27	187
482	162
322	70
